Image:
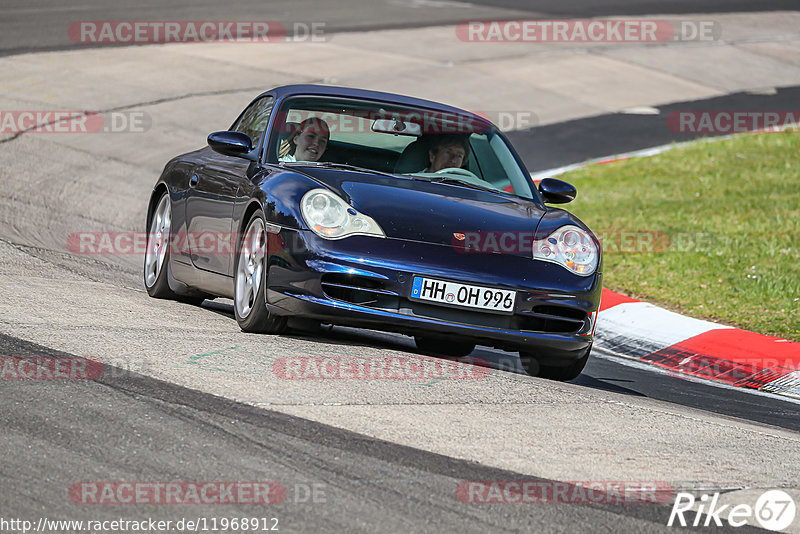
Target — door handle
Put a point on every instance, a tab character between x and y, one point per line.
193	180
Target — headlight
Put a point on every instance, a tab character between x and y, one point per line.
570	247
330	217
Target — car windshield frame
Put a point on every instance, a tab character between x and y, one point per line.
458	122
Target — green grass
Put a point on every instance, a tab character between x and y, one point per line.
727	217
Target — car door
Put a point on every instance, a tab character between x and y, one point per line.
212	191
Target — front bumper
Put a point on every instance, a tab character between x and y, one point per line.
365	282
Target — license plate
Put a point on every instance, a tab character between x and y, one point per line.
463	295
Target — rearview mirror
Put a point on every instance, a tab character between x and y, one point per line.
556	192
397	127
231	144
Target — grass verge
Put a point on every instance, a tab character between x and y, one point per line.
711	230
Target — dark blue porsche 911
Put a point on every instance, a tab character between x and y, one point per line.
379	211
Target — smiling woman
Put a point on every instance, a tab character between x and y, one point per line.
308	144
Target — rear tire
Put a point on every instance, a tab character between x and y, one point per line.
444	347
156	257
552	372
249	302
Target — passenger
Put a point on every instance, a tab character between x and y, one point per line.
308	143
448	151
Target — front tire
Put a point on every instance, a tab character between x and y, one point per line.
249	302
444	347
552	372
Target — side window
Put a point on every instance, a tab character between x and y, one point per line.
254	120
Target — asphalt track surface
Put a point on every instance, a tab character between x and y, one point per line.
28	26
555	145
126	426
610	373
136	428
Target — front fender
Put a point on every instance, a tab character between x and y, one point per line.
279	193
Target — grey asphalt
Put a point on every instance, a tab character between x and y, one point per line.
609	373
591	8
40	25
125	427
564	143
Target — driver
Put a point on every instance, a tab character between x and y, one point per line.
447	151
309	142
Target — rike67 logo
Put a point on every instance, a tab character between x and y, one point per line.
774	510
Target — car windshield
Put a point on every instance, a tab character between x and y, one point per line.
415	143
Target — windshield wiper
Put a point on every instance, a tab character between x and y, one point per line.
334	165
464	183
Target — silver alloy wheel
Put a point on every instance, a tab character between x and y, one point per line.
157	241
250	268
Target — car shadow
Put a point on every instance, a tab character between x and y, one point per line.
309	330
600	384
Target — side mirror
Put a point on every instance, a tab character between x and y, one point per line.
556	192
231	144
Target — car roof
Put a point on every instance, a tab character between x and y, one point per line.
331	90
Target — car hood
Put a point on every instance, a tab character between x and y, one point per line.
437	213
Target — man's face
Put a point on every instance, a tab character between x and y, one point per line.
447	156
311	144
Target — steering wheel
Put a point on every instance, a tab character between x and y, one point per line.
459	171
